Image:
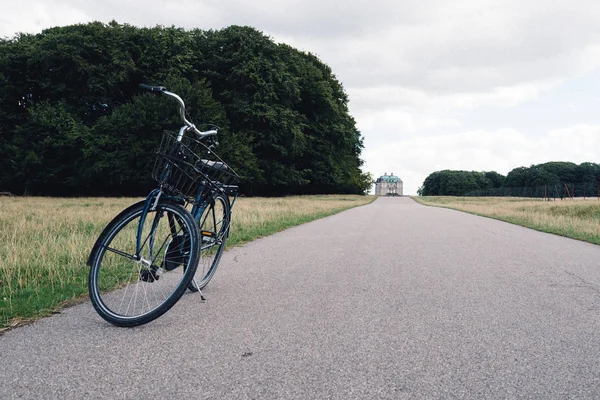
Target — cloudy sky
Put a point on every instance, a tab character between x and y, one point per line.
486	85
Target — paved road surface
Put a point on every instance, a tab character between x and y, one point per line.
392	300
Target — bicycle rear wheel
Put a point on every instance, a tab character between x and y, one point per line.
214	229
129	288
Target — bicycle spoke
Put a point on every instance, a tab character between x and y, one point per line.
121	253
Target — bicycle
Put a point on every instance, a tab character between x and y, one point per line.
149	254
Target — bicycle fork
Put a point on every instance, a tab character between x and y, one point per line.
174	252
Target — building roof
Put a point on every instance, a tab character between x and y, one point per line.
389	178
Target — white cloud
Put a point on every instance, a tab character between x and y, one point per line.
34	16
388	114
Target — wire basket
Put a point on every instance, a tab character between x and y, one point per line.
180	167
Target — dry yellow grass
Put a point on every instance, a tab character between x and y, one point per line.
43	238
45	242
577	219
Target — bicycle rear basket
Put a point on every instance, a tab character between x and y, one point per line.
181	166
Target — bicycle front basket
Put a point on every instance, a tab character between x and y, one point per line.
180	166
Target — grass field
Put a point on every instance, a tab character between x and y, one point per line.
45	242
577	219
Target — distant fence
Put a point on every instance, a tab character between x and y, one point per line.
547	192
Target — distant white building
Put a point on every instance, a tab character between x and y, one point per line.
389	185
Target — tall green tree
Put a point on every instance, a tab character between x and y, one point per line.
73	121
550	174
458	183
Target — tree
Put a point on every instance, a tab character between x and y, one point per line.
458	183
49	137
285	125
547	174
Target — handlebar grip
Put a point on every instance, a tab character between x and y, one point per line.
155	89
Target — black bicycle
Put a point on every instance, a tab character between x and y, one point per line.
154	250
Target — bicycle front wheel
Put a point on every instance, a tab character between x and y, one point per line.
214	229
129	288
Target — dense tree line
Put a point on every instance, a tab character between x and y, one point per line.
458	183
73	121
553	173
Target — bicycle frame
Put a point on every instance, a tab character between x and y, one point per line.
197	211
200	205
203	192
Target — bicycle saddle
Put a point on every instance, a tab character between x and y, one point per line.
214	165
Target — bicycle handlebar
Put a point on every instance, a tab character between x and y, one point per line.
189	125
152	88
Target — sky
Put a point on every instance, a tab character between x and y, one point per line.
483	85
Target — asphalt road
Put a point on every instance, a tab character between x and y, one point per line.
393	300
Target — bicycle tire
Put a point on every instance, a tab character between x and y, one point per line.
213	229
169	257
